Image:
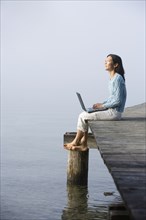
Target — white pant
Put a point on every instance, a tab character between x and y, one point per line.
110	114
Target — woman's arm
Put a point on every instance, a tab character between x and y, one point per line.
117	92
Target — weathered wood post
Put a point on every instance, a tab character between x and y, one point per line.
77	168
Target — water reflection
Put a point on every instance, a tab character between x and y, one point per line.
78	207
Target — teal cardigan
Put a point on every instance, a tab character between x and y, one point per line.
118	94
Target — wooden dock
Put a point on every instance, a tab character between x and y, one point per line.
122	147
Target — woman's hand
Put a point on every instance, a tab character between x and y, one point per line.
97	105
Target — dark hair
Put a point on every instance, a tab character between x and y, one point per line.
119	69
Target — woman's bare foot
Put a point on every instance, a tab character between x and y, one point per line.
69	146
74	147
79	143
80	148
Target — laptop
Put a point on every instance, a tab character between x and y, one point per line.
89	110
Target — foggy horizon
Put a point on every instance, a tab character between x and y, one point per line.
51	49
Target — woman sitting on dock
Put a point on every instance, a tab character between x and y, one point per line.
115	104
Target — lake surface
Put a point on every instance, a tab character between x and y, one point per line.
33	172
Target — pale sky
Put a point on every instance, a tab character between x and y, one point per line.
51	49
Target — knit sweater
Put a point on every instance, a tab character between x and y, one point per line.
117	98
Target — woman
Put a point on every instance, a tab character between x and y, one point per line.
115	103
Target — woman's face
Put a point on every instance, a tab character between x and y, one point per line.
109	65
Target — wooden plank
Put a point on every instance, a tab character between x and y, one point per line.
122	147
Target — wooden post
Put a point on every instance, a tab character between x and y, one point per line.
77	169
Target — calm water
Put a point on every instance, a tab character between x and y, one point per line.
33	172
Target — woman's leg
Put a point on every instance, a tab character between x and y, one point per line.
80	141
77	144
76	141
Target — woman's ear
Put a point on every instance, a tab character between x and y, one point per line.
116	65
